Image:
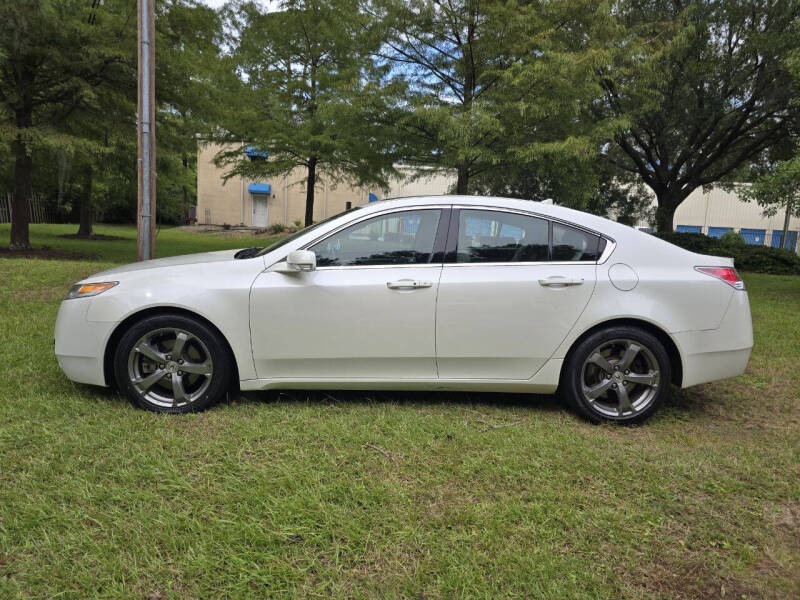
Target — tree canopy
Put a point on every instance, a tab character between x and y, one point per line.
700	88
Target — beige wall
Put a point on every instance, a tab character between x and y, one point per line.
420	182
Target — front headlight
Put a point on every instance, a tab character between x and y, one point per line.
84	290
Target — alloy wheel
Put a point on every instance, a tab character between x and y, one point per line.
170	367
620	378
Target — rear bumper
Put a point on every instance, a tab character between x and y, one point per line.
718	353
80	343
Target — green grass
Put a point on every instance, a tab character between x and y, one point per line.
389	495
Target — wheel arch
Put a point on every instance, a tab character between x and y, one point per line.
676	362
130	320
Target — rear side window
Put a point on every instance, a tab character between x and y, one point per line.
495	236
570	243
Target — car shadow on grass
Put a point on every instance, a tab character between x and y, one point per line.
539	402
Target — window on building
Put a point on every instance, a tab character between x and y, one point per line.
400	238
689	229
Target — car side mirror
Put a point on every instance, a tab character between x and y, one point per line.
299	260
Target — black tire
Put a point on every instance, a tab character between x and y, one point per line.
202	350
620	400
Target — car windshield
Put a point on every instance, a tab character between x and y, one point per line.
297	234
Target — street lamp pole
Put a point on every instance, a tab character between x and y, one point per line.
146	203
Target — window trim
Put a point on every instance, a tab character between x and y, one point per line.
455	220
440	237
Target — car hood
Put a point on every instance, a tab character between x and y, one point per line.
170	261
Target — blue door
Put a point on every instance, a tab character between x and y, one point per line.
689	229
777	238
754	236
717	232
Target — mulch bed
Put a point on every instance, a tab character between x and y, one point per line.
94	236
46	253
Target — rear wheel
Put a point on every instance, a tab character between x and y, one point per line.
619	374
172	364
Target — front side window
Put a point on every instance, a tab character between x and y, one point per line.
400	238
496	236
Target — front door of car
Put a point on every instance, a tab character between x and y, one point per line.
366	312
512	287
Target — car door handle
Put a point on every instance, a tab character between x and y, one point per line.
557	281
408	284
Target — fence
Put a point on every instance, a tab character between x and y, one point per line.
39	210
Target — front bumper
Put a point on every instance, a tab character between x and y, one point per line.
718	353
80	343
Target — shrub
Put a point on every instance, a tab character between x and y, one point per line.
276	228
732	238
758	259
694	242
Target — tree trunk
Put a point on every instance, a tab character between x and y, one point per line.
664	216
668	202
462	183
86	214
310	185
20	205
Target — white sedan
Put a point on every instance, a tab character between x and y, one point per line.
426	293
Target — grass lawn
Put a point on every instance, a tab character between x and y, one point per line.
170	241
388	495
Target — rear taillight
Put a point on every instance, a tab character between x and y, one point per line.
726	274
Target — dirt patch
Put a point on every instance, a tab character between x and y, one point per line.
46	253
231	232
95	236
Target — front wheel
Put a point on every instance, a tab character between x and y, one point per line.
172	364
619	374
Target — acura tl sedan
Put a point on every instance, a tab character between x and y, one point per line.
427	293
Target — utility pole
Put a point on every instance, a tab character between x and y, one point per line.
146	205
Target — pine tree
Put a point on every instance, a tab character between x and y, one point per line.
306	93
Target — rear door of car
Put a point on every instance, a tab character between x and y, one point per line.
512	286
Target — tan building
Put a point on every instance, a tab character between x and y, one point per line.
281	199
716	211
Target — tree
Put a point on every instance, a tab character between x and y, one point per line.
450	57
188	41
51	61
589	185
701	87
307	94
495	92
778	190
